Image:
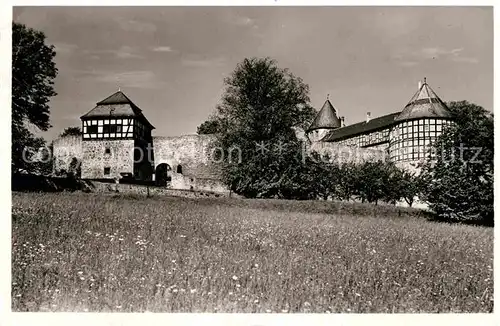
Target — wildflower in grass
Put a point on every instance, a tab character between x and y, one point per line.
193	291
175	290
256	301
119	307
235	277
357	294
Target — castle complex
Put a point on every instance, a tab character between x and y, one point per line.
117	141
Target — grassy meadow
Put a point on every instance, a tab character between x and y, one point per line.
102	252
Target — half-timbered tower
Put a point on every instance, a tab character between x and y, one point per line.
116	140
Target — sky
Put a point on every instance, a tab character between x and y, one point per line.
171	61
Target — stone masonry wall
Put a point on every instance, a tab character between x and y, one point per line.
192	153
120	160
65	149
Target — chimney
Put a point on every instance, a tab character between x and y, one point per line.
342	122
368	116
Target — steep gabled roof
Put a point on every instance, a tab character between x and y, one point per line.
424	104
326	118
361	127
116	105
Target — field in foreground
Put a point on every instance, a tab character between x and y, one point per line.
90	252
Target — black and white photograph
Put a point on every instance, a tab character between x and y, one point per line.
260	159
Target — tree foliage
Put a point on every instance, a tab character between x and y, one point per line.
71	131
211	126
260	107
33	72
459	180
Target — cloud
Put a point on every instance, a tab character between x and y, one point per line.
411	57
65	48
408	63
436	52
203	62
243	21
143	79
163	49
132	25
132	79
466	59
124	52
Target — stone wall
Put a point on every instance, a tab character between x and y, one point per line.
94	160
65	149
189	158
156	191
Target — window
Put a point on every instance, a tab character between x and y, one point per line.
107	171
179	169
111	129
92	129
107	150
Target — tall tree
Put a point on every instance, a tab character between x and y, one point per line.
261	106
459	180
33	73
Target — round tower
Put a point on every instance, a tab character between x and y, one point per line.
325	121
418	125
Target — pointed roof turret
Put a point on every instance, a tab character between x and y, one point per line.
424	104
326	118
116	105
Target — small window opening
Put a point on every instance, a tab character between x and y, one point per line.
107	150
107	171
179	169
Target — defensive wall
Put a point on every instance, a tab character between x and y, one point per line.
188	160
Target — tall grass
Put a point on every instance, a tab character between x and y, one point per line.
89	252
